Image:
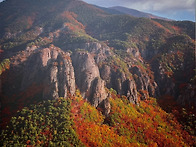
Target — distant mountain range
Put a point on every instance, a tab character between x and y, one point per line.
136	13
132	12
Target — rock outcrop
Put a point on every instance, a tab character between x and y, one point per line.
144	82
100	51
88	78
120	82
52	68
97	91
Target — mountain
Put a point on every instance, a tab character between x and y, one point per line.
135	13
69	58
108	10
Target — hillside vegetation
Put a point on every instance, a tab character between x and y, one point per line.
74	122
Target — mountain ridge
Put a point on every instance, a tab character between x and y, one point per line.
137	13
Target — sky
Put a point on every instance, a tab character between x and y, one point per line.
172	9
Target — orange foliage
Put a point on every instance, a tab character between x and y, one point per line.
72	18
95	133
161	26
28	142
69	15
177	29
148	124
169	74
180	54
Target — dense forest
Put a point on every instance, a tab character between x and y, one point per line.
75	122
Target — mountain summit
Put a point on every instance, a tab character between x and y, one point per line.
73	50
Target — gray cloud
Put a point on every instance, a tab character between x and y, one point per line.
164	5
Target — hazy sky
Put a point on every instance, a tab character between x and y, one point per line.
173	9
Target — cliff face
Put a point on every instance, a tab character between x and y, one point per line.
59	73
88	78
120	82
49	73
145	83
52	68
91	69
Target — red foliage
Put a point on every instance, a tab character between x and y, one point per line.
149	124
92	133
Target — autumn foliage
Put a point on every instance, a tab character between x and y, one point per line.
74	122
4	65
45	124
128	125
